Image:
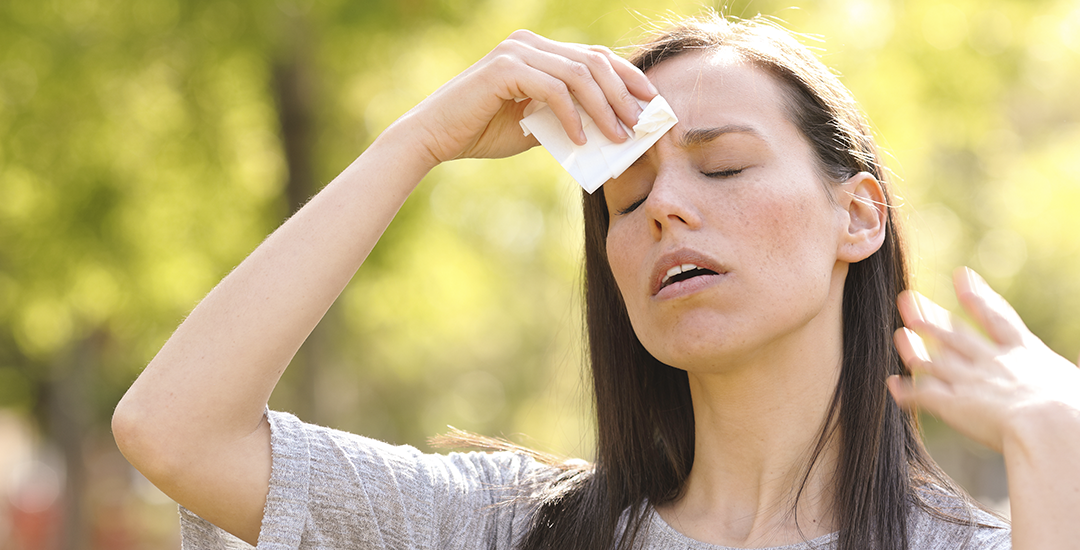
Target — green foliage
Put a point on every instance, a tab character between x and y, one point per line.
141	158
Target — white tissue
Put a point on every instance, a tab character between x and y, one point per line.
600	159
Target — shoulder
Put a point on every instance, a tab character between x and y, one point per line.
343	489
944	521
302	450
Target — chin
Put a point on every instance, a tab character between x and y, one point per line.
689	353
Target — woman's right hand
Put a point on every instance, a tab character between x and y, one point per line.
477	113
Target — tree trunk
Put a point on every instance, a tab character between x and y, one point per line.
70	417
294	89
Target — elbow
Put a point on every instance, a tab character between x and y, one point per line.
141	444
125	428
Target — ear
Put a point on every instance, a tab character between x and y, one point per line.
864	213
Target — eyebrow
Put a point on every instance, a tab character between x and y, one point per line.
700	136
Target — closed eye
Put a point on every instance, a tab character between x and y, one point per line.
633	206
718	174
723	173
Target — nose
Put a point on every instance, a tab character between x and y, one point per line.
670	205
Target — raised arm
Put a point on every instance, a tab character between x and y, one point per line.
193	421
1009	392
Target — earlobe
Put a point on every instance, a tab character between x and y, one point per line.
863	200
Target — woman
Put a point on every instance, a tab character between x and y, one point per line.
741	279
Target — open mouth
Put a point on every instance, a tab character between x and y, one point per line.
682	273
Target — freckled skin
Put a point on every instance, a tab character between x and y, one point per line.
772	226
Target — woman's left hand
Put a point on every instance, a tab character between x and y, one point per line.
988	388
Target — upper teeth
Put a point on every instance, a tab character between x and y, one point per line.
678	269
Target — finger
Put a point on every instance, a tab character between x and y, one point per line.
932	315
541	86
577	78
942	328
620	80
519	80
944	365
966	342
922	315
584	85
590	76
899	387
952	366
912	350
635	80
907	303
992	312
626	77
925	392
602	64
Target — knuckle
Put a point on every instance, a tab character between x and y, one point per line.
595	59
602	50
503	61
506	47
522	35
578	69
557	89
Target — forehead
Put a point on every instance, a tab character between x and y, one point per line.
716	88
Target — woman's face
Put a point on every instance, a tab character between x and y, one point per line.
731	195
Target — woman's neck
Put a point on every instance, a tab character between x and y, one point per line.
757	425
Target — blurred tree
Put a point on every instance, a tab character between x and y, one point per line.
146	147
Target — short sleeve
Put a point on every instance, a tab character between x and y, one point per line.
331	489
972	529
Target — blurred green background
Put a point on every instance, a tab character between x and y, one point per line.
147	146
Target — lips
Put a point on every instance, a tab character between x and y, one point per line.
686	270
682	273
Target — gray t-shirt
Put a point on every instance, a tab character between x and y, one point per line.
330	489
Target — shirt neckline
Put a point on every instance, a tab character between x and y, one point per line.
666	533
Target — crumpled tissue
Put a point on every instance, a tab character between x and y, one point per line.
600	159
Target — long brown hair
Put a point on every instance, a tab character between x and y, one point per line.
645	422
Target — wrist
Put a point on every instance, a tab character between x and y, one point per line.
1041	427
407	140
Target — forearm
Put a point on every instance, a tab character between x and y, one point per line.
210	382
192	422
1042	457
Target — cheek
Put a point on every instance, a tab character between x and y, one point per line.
797	239
627	251
620	258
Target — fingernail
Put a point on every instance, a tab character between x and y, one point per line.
581	137
620	130
653	89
